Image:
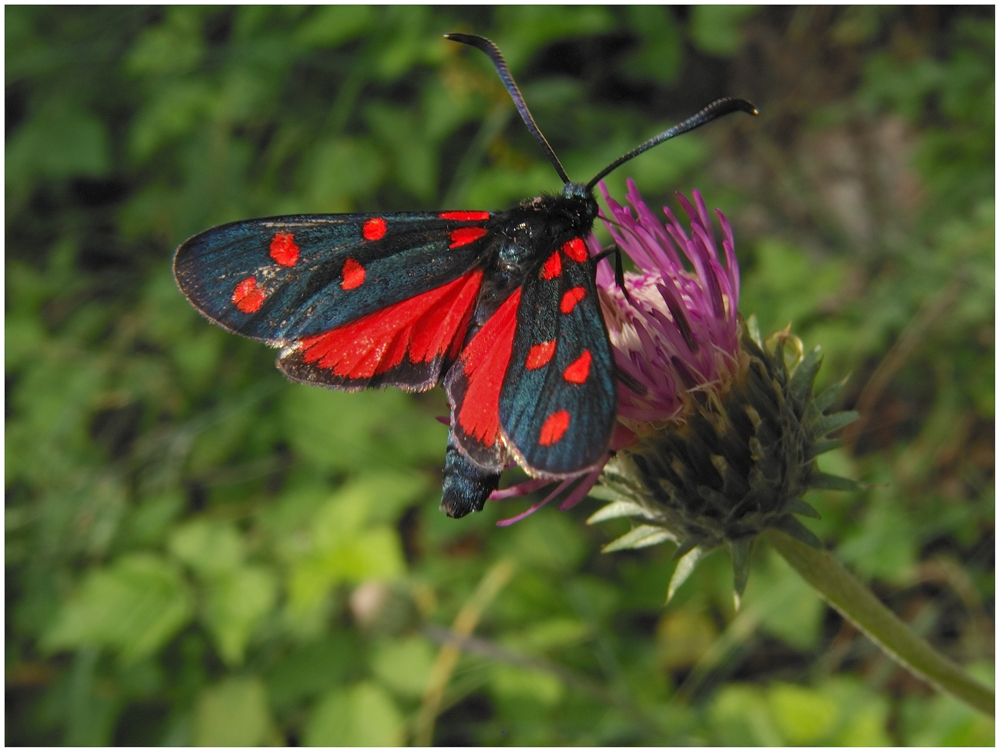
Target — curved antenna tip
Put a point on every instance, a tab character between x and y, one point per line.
473	40
493	53
716	109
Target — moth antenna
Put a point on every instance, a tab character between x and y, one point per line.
716	109
493	53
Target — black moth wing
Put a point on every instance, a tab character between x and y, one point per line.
559	400
288	294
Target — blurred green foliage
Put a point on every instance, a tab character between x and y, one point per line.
198	552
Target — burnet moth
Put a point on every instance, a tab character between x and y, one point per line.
500	307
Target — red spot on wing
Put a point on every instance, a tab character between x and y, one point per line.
552	268
247	296
554	427
423	327
570	298
539	355
575	249
353	275
374	228
465	235
578	371
484	362
465	216
283	249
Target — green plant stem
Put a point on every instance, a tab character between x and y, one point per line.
858	605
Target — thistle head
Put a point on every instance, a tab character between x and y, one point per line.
725	427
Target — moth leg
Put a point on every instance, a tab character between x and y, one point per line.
619	268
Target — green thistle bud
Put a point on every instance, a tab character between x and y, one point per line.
719	431
739	462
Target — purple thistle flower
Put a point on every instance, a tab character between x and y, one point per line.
721	443
676	334
679	333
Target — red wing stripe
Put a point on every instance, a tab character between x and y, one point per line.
374	229
423	327
575	249
554	427
570	298
440	324
552	267
353	275
248	296
578	371
465	235
465	216
539	355
395	352
283	249
484	363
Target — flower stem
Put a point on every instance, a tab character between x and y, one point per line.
858	605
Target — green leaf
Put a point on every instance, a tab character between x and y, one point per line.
313	668
373	553
832	422
346	541
148	523
683	636
362	716
551	634
514	682
805	373
716	28
802	715
209	548
864	713
616	509
823	446
522	29
640	536
178	110
377	429
792	526
233	713
943	721
884	544
23	337
740	552
786	605
134	606
832	482
739	717
59	141
234	603
404	666
340	172
685	566
660	54
414	157
825	398
91	713
802	508
551	542
174	46
332	25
